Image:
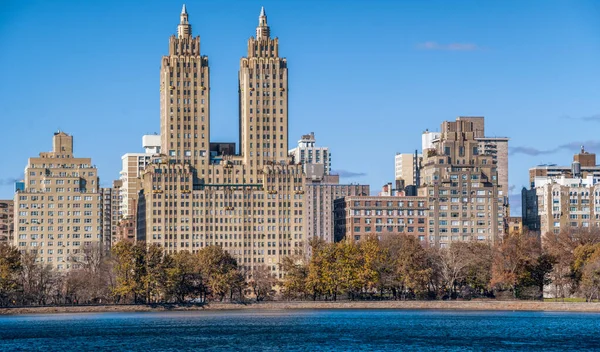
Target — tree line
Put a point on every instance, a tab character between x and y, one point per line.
129	273
395	267
398	267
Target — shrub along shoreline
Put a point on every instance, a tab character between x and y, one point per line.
475	305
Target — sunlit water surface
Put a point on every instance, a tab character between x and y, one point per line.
303	330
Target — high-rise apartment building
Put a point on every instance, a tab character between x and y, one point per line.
497	148
307	153
462	186
7	212
111	214
406	168
59	208
250	204
583	165
320	193
185	100
133	164
107	224
561	197
263	83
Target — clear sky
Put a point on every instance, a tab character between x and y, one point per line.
368	77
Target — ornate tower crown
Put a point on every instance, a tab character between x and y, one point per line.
184	29
263	30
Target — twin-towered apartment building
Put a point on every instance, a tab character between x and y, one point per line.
265	201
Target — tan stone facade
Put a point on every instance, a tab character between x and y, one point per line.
59	210
357	217
562	206
462	187
133	164
405	168
563	196
185	100
7	213
320	193
514	224
263	83
251	204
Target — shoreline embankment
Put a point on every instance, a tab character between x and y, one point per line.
475	305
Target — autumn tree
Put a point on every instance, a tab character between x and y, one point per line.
410	271
91	278
262	282
478	270
130	270
295	284
10	267
39	282
514	256
183	277
561	247
220	272
590	277
374	268
452	264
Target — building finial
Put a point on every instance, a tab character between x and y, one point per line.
184	29
262	31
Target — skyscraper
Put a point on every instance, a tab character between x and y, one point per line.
185	100
59	209
249	204
263	81
465	199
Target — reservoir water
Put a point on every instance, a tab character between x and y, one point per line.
303	330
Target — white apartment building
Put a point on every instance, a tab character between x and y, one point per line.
133	164
308	153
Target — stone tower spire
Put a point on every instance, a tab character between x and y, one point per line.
263	80
184	29
263	30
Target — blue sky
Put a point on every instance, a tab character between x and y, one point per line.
368	77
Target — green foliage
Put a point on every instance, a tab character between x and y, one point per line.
10	267
296	283
220	272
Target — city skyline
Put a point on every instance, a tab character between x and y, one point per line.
83	110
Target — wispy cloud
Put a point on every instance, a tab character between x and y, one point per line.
572	146
8	181
348	174
529	151
449	47
591	118
575	146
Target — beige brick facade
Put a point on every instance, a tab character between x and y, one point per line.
59	211
462	187
250	204
320	193
7	213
